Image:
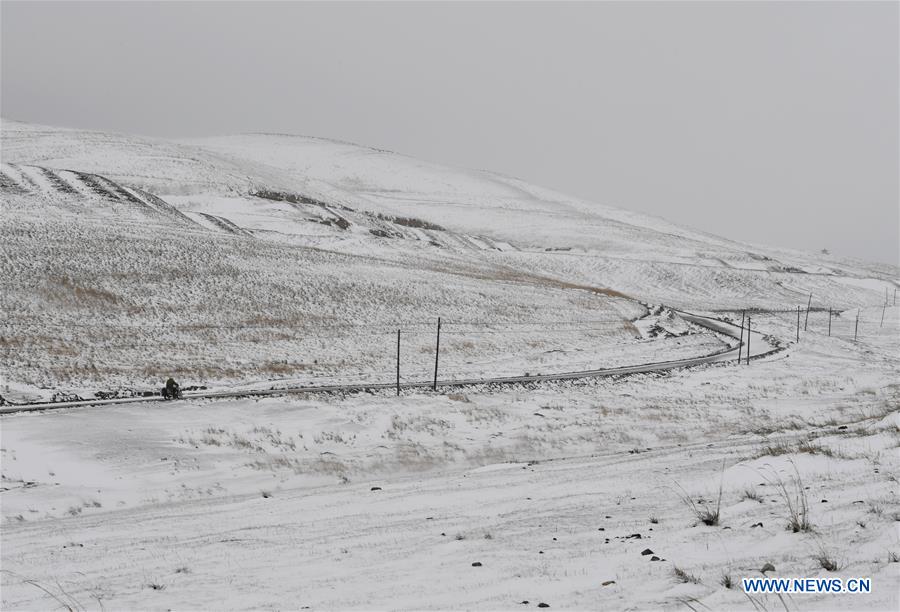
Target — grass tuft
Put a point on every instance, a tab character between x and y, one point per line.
683	576
793	494
705	514
826	561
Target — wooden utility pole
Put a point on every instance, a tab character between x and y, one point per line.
808	304
741	343
437	351
882	313
798	324
398	362
856	329
748	340
829	321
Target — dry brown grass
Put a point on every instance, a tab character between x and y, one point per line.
281	368
62	286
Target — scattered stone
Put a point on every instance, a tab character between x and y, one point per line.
768	567
842	427
540	552
607	582
756	525
476	564
554	539
636	536
646	552
654	558
824	501
524	601
375	489
543	605
601	529
608	516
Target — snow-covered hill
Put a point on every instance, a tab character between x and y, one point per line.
252	257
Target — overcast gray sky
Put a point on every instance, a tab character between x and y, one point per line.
771	123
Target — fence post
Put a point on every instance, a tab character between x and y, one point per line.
882	313
748	340
829	321
437	351
798	324
856	328
808	304
398	362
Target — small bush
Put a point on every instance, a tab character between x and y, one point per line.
726	581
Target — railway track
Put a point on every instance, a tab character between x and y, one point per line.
713	324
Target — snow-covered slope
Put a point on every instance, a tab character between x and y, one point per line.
366	179
260	256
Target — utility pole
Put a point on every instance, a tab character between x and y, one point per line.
437	351
829	321
398	363
748	340
856	329
741	343
808	304
882	313
798	324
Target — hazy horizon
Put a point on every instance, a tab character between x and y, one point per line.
781	116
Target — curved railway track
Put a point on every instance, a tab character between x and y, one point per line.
762	345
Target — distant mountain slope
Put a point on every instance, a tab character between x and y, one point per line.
341	174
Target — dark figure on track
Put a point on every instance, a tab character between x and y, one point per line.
171	390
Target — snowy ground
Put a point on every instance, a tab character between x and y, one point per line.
270	503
